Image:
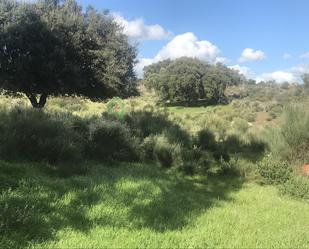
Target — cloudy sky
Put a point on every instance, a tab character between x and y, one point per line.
263	39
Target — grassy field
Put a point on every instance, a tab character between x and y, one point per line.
141	206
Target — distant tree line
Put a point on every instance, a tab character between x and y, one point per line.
53	47
188	79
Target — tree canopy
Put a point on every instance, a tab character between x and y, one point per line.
188	79
54	47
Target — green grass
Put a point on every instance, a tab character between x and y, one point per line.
139	206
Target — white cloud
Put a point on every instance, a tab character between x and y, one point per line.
246	71
278	76
187	44
286	56
143	62
222	60
299	70
249	54
304	56
290	75
139	31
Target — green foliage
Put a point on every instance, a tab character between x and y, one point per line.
144	123
206	140
15	213
229	167
291	141
297	186
188	79
192	161
306	81
34	135
176	134
63	139
274	171
111	140
250	117
240	125
63	50
147	148
134	205
165	152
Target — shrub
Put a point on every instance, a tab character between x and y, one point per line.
233	144
296	133
165	152
229	167
189	160
240	125
204	163
250	117
147	148
175	134
144	124
36	136
111	140
274	171
297	186
291	140
205	140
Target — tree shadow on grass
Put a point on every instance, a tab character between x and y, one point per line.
181	202
42	205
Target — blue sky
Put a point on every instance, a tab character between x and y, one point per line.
264	39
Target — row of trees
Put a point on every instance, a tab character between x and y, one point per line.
54	47
188	79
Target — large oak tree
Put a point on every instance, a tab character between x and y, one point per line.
188	79
54	47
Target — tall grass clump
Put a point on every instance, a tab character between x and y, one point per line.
109	139
62	139
164	152
291	140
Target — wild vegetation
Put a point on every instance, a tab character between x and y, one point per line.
74	171
188	80
202	157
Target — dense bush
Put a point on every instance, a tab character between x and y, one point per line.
297	186
111	140
191	162
274	171
63	139
205	140
175	134
147	123
291	141
147	148
36	136
165	152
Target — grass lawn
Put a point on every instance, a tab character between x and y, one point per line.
138	206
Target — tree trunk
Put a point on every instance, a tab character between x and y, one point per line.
42	101
34	101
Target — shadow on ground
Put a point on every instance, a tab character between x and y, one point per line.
34	205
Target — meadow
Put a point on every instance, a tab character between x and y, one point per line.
215	176
140	206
